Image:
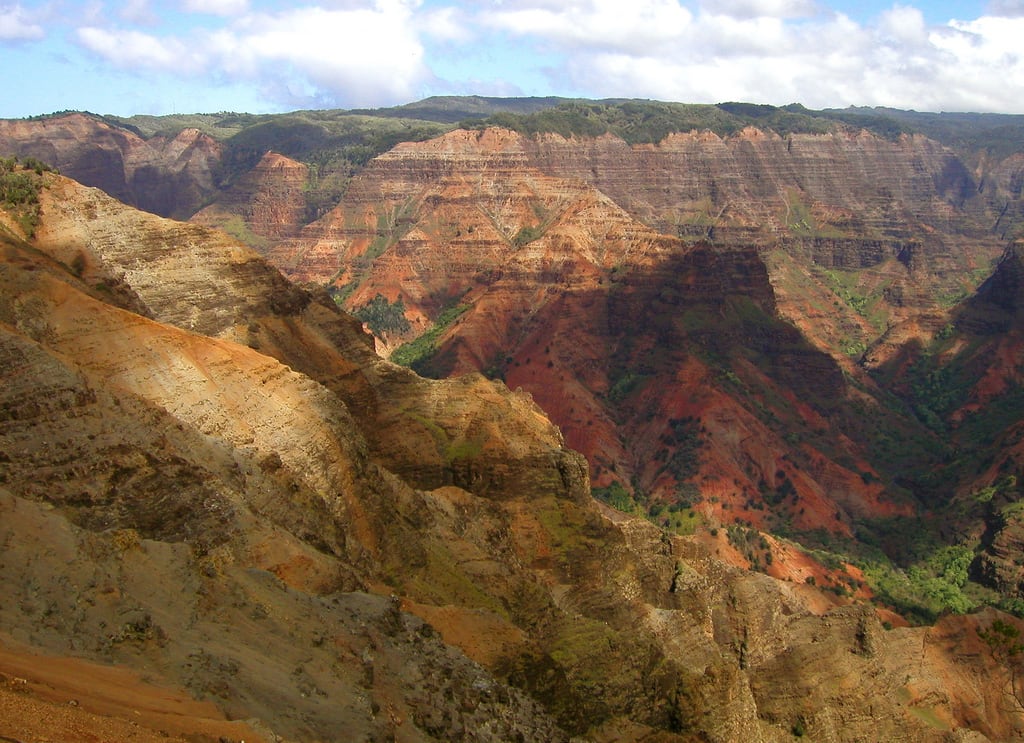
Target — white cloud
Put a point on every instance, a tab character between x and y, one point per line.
377	52
358	55
1006	8
135	50
138	11
760	8
363	55
776	51
446	24
18	24
217	7
903	25
597	24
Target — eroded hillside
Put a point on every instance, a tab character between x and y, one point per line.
207	474
668	364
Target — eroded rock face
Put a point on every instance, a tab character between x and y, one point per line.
621	334
747	187
160	175
268	202
270	528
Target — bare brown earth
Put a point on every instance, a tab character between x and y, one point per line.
53	698
208	477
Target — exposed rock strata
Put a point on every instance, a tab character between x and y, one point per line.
754	185
244	542
619	332
269	201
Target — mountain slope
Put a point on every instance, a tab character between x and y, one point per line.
165	174
271	528
870	234
665	363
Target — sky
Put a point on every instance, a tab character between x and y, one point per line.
266	56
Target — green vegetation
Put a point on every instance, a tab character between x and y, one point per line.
526	235
907	563
440	576
382	316
464	450
1003	640
844	284
217	125
678	517
335	144
20	184
616	496
999	134
684	440
1004	643
751	544
639	121
238	229
938	386
926	589
1000	491
634	120
416	352
642	121
392	225
798	216
451	109
622	386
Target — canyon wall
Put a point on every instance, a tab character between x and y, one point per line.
238	496
627	337
170	176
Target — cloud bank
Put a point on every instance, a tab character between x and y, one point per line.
355	53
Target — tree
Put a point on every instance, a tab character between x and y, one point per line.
1003	640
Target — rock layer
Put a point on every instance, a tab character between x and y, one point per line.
627	337
265	205
266	528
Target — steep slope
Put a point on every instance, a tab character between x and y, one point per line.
966	383
265	536
164	175
858	213
883	229
665	364
268	203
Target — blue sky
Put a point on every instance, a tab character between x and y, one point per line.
182	56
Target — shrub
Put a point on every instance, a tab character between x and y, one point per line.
19	191
383	316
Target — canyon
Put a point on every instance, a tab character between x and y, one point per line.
211	474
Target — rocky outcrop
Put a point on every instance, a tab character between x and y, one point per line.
998	565
904	220
264	205
914	224
755	186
